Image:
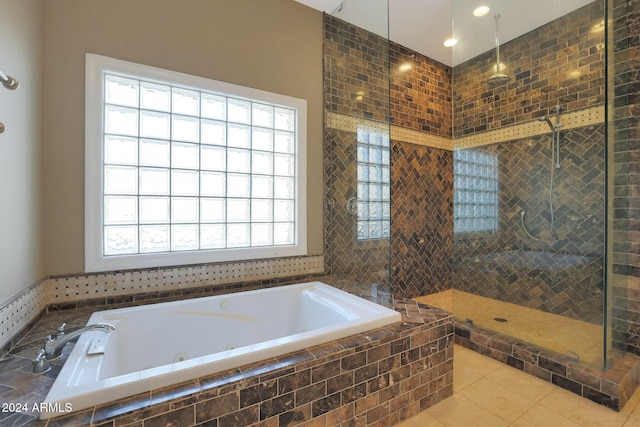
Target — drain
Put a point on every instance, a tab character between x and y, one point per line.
500	319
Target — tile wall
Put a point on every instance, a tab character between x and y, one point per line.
625	134
558	270
560	63
418	120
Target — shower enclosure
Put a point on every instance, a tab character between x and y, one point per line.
519	221
530	178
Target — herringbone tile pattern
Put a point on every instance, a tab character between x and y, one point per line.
422	219
364	261
560	268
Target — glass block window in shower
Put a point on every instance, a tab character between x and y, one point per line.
475	189
374	184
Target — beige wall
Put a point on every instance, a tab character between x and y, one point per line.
273	45
21	56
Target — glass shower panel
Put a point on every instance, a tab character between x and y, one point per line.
357	143
529	173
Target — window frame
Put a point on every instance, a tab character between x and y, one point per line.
95	260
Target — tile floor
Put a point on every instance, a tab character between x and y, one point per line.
488	393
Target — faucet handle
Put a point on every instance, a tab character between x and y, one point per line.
40	363
61	330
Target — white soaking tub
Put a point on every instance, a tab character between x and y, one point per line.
158	345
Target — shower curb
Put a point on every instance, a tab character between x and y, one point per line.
611	388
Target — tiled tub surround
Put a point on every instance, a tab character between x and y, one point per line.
237	329
611	388
375	379
138	286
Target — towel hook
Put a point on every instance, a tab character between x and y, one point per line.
11	84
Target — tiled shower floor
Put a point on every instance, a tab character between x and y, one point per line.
556	333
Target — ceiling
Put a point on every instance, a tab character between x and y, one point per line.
423	25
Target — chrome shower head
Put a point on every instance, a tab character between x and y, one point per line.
497	80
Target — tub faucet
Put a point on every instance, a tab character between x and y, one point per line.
53	346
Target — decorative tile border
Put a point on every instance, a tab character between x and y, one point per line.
101	285
21	311
571	120
103	288
350	124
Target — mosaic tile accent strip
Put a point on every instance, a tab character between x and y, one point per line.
570	120
560	63
376	378
103	285
17	314
611	388
561	273
422	212
138	285
350	124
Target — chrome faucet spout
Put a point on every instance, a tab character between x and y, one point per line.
53	347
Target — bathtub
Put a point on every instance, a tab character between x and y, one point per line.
158	345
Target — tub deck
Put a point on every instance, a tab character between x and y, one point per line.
379	377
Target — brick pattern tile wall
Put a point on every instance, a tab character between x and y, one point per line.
560	63
356	66
626	189
420	92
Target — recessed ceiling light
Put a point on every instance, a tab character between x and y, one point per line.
450	42
481	10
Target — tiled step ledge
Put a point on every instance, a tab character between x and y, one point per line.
18	314
611	388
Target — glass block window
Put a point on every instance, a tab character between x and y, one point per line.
187	167
475	187
374	185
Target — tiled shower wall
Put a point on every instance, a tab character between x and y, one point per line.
559	268
625	133
560	63
421	176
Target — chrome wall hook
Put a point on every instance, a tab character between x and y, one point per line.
11	84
